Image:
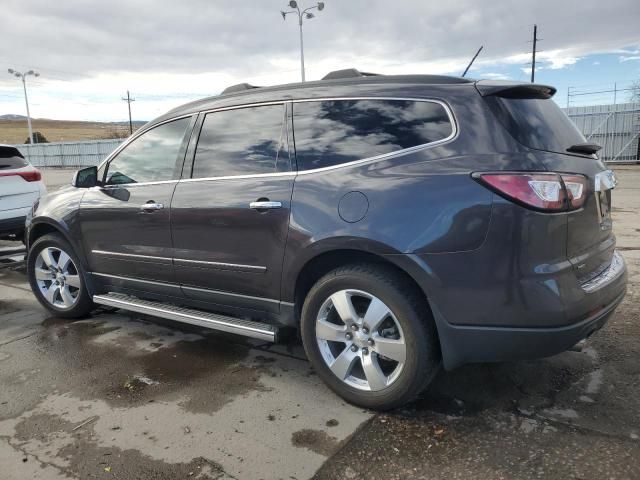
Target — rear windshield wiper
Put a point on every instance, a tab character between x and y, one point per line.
588	148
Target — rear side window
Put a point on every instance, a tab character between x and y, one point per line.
536	123
332	132
244	141
10	158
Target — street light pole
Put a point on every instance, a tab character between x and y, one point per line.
23	77
301	50
302	14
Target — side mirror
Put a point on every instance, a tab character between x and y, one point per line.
85	178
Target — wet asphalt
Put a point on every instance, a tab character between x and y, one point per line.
118	395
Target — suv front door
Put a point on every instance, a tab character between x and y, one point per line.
125	222
231	217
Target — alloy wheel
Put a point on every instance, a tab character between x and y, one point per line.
360	340
57	277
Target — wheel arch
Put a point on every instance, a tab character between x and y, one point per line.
45	226
322	263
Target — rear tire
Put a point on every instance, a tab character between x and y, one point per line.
57	278
368	333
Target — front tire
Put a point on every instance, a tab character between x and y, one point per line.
57	278
368	332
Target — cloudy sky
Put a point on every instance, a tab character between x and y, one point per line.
88	53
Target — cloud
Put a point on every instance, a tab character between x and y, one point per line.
630	58
89	53
495	76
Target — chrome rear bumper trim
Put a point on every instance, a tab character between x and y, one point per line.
613	271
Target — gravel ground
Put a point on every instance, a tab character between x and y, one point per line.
572	416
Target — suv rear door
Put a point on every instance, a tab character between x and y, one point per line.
534	120
230	214
125	222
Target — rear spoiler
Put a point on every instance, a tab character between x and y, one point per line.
504	89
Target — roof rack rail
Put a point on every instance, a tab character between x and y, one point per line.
347	73
240	87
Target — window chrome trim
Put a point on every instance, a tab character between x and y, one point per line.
236	266
398	153
133	185
179	286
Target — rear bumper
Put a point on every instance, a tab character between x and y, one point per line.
485	322
12	225
464	344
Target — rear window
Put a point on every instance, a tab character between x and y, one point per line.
10	157
333	132
536	123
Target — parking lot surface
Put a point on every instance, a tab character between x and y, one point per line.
123	396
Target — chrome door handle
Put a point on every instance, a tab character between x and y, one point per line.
151	206
265	205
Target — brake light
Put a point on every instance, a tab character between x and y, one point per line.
33	175
576	189
549	192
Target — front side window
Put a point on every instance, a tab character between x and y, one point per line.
332	132
244	141
151	157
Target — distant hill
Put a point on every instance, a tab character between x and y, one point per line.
13	129
12	116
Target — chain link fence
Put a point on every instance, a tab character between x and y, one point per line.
615	127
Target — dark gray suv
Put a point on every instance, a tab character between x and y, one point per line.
398	222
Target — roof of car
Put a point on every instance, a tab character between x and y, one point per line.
331	82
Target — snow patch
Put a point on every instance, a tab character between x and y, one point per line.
595	381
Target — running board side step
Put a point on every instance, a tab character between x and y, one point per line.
199	318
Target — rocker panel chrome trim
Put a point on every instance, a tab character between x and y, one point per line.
193	317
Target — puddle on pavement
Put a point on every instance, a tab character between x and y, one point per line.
76	452
317	441
105	358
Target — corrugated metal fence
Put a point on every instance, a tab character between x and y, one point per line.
69	154
615	127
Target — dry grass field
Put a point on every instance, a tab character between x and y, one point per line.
15	131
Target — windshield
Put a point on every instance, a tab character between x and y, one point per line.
536	123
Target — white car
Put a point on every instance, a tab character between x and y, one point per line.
20	186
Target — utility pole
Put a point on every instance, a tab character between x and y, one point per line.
302	14
128	99
533	57
23	76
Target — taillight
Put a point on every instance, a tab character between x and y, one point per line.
550	192
576	186
33	175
